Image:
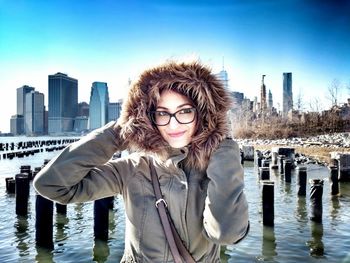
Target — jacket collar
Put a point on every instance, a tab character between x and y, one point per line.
173	158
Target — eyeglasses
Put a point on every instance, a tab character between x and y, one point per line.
183	116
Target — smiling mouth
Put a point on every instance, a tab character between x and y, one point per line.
176	134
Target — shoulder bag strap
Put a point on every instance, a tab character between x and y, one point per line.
160	204
167	221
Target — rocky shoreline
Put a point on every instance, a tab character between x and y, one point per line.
336	140
315	149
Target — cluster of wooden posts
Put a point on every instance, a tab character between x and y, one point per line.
25	148
20	186
283	160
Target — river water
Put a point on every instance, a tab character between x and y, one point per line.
294	238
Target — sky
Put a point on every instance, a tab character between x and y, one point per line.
114	41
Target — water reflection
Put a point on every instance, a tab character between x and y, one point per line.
43	255
335	207
223	256
344	190
315	244
268	243
21	234
100	251
287	188
61	228
301	212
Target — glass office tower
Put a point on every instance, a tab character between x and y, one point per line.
99	100
63	103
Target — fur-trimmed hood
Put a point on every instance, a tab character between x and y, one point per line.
193	80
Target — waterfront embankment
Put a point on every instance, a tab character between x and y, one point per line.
316	147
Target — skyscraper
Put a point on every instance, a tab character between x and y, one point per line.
34	116
287	94
270	101
21	98
21	108
99	100
222	75
114	109
63	103
237	99
17	124
263	104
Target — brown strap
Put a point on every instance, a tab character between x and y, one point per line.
173	238
160	204
180	245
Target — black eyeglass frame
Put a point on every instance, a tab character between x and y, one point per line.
152	117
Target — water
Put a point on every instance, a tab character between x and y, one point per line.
294	237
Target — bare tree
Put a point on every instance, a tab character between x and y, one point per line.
315	105
334	91
299	101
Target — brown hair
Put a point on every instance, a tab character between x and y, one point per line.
196	82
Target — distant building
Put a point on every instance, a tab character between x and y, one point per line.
222	75
287	94
83	109
21	107
99	100
46	122
114	109
34	115
270	101
17	124
63	103
263	104
247	105
237	99
21	99
256	105
81	123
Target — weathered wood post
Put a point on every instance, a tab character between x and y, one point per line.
10	185
26	169
280	159
316	191
61	209
264	173
333	180
343	161
301	180
22	194
44	222
101	217
257	158
268	203
287	167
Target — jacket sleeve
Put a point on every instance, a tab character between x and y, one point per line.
225	216
81	172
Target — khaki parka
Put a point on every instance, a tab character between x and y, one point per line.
202	183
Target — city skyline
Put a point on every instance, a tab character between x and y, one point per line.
113	42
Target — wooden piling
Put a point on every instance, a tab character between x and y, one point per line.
22	194
287	167
44	222
101	217
316	191
268	203
301	180
333	180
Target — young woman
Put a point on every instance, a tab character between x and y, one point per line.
174	119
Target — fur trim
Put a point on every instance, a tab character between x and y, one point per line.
192	80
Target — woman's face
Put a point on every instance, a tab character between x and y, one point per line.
176	134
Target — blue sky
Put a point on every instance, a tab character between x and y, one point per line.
113	41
